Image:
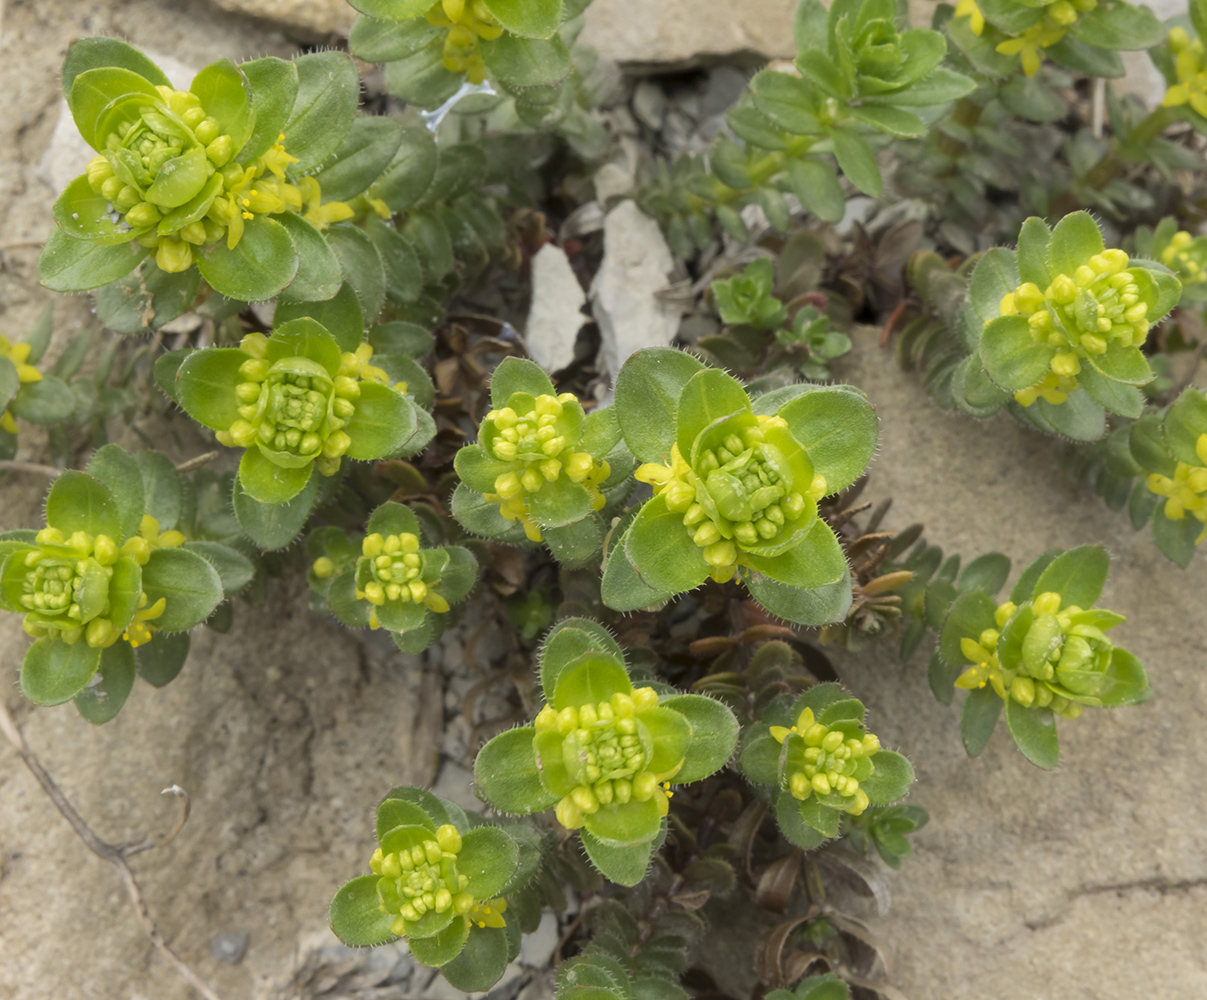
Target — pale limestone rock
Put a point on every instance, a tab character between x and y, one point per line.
555	316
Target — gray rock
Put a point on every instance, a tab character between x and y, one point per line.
637	265
649	104
230	947
537	948
555	316
725	85
456	783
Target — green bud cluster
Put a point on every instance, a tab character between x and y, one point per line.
827	761
293	409
391	569
1099	306
737	496
1187	255
1061	661
422	879
603	752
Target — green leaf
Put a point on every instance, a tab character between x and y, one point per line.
47	401
225	95
518	375
442	947
85	215
146	299
409	174
1075	240
356	917
567	641
481	962
892	121
190	586
383	422
392	812
340	316
1176	539
647	399
398	337
1183	425
995	275
420	77
939	87
661	551
622	589
506	774
592	678
487	858
1033	241
1078	418
234	569
838	429
816	561
987	573
760	759
817	187
527	18
119	472
1034	733
519	63
205	386
324	109
9	382
273	526
71	265
820	606
274	88
574	544
1115	396
393	518
54	672
362	266
162	658
1124	364
368	149
265	482
403	271
99	703
477	515
1118	26
623	865
1077	575
822	818
1011	357
857	161
891	779
398	10
84	54
1126	682
793	826
93	90
262	264
1024	586
970	614
714	735
78	502
709	395
978	718
559	503
319	276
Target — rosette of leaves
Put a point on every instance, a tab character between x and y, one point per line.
736	487
541	469
603	752
395	583
885	828
1170	453
440	880
1182	252
1000	36
823	987
106	589
295	401
1042	653
26	392
430	50
213	176
821	763
1063	319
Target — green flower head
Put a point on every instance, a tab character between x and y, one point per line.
747	298
98	581
295	402
603	752
736	490
824	764
1173	452
396	583
437	882
538	456
1043	652
1075	319
1182	252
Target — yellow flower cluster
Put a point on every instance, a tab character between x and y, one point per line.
467	21
18	354
1187	490
831	759
539	454
424	878
1027	691
603	741
1059	16
395	567
1190	65
299	412
1178	256
1098	306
